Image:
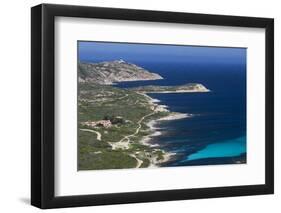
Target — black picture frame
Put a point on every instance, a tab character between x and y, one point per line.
43	102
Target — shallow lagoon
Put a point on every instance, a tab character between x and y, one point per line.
228	148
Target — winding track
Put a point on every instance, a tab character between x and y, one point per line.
90	130
137	130
122	143
139	162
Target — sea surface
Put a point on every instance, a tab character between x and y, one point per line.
216	131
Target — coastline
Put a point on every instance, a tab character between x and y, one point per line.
155	131
180	91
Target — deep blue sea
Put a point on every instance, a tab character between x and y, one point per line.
216	133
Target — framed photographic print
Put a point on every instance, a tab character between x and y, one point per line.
139	106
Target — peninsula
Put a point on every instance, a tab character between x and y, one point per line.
115	125
190	87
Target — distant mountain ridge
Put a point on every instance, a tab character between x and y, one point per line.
109	72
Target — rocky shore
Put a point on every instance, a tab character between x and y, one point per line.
157	132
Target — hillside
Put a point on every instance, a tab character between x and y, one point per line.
113	71
112	123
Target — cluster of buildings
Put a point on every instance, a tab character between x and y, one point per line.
103	123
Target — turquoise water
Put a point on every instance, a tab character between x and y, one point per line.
216	131
228	148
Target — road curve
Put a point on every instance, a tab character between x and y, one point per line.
93	131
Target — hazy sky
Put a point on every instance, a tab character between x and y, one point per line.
133	52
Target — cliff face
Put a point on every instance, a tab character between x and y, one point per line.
113	71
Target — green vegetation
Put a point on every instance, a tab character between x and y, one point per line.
90	160
112	122
117	145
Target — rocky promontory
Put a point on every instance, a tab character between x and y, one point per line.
186	88
109	72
